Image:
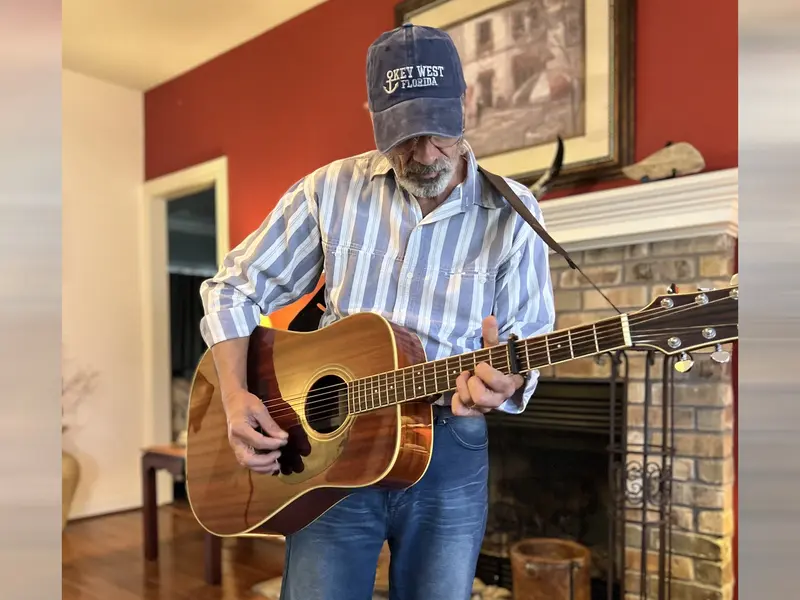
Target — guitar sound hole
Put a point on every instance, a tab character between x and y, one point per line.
326	404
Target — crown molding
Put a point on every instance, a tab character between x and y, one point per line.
679	208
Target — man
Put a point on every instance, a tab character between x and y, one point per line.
412	232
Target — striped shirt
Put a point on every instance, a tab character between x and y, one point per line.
438	275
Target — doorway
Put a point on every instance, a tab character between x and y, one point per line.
184	233
191	259
192	250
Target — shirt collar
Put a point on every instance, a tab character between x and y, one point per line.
473	190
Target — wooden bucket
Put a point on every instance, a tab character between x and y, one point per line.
550	569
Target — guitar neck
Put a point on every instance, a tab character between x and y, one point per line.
421	381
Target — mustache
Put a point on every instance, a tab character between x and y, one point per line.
415	168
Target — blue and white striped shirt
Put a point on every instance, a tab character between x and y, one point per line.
437	275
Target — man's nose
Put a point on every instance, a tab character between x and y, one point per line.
425	152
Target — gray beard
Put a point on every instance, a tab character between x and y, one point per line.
424	188
411	180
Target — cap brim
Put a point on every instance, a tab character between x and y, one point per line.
420	116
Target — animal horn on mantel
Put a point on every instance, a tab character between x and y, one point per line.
541	185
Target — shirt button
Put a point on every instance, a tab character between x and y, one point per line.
410	276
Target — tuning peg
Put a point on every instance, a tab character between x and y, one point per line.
672	289
685	364
719	355
735	279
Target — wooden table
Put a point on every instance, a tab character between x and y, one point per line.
171	458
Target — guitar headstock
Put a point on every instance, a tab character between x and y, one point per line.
677	323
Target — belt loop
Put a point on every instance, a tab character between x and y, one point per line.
440	414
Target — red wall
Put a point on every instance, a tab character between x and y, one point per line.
291	100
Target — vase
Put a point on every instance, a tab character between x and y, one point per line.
70	475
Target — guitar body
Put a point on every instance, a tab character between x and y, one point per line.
330	453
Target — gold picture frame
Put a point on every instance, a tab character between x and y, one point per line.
540	69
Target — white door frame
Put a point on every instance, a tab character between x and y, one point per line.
155	287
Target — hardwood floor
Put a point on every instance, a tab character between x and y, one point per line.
102	558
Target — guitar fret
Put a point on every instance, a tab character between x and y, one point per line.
387	390
583	340
612	334
501	363
569	339
596	343
436	384
560	350
395	398
408	384
527	357
547	347
450	372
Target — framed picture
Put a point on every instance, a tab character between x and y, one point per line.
537	70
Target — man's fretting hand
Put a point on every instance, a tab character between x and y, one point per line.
487	388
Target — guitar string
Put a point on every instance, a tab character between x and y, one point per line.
331	411
552	338
477	356
378	387
501	349
317	397
556	337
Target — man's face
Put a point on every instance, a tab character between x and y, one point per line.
425	165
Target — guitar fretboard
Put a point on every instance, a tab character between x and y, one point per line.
434	378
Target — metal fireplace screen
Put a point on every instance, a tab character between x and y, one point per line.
564	469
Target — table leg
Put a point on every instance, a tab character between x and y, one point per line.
213	559
149	510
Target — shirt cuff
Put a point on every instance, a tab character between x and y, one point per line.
228	324
517	403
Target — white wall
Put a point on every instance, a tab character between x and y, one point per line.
103	169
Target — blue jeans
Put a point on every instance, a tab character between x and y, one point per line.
434	528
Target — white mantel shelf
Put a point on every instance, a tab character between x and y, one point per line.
680	208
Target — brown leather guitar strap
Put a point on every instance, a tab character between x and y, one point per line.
505	190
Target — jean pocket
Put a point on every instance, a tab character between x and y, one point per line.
469	432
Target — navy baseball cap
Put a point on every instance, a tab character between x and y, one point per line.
414	85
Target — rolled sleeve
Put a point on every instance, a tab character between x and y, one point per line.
275	265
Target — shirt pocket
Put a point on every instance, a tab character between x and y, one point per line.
343	264
468	295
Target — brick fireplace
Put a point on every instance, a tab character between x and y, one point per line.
634	242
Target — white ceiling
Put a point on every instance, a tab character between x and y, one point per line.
142	43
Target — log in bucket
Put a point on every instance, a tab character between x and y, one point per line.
550	569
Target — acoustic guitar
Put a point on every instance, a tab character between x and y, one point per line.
355	398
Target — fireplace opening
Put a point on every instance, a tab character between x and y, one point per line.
549	470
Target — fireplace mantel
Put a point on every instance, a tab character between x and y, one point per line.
684	207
